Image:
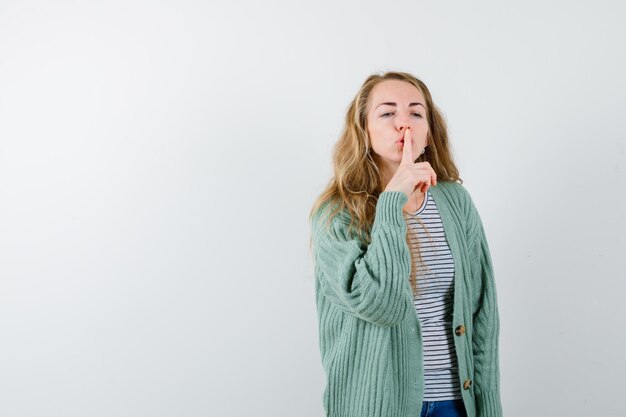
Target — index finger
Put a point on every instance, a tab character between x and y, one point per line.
407	151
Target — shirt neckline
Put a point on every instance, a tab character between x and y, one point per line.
423	206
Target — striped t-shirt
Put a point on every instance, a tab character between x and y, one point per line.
434	302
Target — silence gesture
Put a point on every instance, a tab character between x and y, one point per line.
410	175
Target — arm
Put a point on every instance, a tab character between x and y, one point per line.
486	324
369	282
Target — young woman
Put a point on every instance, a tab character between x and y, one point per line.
405	292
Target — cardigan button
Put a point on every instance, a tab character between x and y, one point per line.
460	330
467	384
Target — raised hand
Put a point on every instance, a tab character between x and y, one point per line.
410	175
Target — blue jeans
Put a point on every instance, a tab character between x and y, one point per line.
449	408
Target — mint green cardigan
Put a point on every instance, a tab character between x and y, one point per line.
369	331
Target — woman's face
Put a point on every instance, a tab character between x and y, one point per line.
393	106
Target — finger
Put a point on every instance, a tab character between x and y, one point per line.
407	151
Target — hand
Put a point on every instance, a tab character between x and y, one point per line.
410	176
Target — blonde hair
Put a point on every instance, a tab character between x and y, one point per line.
356	183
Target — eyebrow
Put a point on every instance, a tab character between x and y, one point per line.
391	103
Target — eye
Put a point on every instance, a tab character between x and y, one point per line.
415	114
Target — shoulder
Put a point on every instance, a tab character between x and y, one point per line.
329	218
455	194
458	200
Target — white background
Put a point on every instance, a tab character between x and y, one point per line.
158	161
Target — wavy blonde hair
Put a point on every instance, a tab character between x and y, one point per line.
357	183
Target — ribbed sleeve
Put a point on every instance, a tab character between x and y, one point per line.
486	325
367	281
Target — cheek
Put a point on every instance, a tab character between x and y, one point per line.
375	143
421	130
376	135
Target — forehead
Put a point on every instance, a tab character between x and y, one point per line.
397	91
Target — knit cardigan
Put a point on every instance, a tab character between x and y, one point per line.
369	331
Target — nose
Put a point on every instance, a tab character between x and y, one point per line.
402	122
403	126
